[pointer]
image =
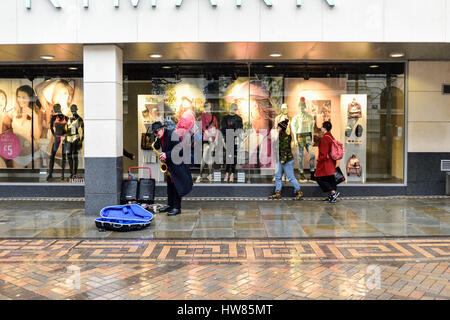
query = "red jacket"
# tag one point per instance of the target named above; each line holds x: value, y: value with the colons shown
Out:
x: 325, y: 165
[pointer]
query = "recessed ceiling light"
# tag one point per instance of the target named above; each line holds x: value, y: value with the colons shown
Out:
x: 73, y: 68
x: 47, y: 57
x: 166, y: 67
x: 373, y: 66
x: 397, y: 55
x: 269, y: 66
x: 155, y: 55
x: 276, y: 55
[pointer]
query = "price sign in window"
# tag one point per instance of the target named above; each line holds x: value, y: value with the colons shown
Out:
x: 9, y: 145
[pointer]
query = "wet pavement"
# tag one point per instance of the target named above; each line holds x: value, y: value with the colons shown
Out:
x: 309, y: 218
x: 359, y: 248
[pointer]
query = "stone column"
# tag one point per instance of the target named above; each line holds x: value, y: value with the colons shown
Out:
x: 103, y: 123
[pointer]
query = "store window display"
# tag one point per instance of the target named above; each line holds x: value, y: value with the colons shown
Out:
x: 232, y: 122
x: 303, y: 129
x: 255, y: 107
x: 264, y: 98
x: 210, y: 127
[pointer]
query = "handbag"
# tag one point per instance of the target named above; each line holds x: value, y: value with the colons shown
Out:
x: 338, y: 175
x: 146, y: 140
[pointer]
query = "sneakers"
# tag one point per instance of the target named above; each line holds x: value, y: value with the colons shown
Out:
x: 298, y: 195
x: 231, y: 177
x: 332, y: 198
x: 335, y: 196
x: 276, y: 195
x: 226, y: 177
x: 199, y: 179
x: 210, y: 177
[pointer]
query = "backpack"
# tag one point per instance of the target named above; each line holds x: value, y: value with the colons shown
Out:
x: 337, y: 150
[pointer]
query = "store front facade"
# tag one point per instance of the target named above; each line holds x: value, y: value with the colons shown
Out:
x: 226, y: 72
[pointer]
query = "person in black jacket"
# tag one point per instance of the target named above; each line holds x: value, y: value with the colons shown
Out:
x: 179, y: 183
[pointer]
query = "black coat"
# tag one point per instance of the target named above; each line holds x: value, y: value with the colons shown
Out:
x: 181, y: 174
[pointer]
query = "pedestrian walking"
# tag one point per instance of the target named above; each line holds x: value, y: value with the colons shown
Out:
x: 326, y: 166
x: 179, y: 182
x: 285, y: 163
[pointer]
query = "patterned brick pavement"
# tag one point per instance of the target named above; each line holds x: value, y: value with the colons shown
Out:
x: 413, y: 268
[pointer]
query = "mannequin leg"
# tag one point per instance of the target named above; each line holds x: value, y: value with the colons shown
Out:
x: 63, y: 165
x: 56, y: 143
x: 70, y: 159
x: 301, y: 146
x: 75, y: 160
x: 312, y: 157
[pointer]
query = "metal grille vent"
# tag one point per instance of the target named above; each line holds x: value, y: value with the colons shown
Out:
x: 445, y: 165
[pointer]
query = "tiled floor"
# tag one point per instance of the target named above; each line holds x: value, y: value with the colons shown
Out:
x: 225, y: 269
x: 310, y: 218
x: 361, y: 248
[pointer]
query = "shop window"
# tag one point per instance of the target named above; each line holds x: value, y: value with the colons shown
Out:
x: 41, y: 136
x: 230, y: 113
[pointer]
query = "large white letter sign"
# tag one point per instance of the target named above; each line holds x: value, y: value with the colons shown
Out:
x: 180, y: 2
x: 330, y: 3
x: 55, y: 3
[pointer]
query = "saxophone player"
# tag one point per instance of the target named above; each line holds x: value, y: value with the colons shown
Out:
x: 179, y: 183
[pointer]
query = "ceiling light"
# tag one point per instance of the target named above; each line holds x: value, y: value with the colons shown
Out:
x: 47, y: 57
x: 397, y: 55
x: 166, y: 67
x: 73, y: 68
x: 373, y: 66
x: 276, y: 55
x: 155, y: 55
x: 269, y: 66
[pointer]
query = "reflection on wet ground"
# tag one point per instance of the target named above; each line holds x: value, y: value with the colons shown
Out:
x: 364, y: 217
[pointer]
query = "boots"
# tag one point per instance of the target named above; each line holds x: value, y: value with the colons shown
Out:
x: 231, y: 177
x: 226, y: 177
x: 298, y: 195
x: 276, y: 195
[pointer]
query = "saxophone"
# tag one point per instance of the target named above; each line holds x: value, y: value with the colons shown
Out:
x: 163, y: 167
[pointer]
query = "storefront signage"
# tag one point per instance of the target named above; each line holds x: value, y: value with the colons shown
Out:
x: 178, y: 3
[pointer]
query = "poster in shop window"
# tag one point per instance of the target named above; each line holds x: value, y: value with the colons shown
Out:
x: 354, y: 136
x: 26, y: 109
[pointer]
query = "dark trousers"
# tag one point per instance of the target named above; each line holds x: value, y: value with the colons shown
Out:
x: 173, y: 199
x: 327, y: 183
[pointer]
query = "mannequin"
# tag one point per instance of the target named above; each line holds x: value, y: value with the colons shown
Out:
x: 303, y: 128
x: 231, y: 121
x: 209, y: 132
x: 283, y: 116
x: 58, y: 127
x: 74, y: 140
